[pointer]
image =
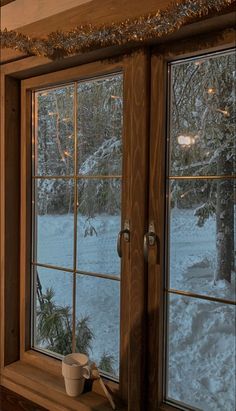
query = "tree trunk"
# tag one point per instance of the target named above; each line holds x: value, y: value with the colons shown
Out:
x: 224, y: 220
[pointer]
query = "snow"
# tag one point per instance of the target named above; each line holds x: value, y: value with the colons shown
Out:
x: 201, y: 334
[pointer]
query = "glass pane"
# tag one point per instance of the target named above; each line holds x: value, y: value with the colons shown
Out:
x: 202, y: 116
x: 53, y: 310
x: 54, y: 131
x: 98, y: 225
x: 98, y: 316
x: 54, y: 222
x: 100, y: 115
x: 201, y: 354
x: 201, y: 234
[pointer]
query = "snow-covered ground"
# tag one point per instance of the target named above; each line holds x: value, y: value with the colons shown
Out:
x: 201, y: 334
x: 97, y: 298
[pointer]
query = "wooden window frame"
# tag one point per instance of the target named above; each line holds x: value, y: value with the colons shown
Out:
x: 30, y: 373
x: 161, y: 57
x: 28, y: 363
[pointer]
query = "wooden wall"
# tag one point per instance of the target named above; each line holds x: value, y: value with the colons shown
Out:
x: 78, y: 12
x: 22, y: 12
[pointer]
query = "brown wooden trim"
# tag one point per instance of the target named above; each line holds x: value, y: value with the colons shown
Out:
x: 156, y: 214
x: 12, y: 200
x: 25, y: 222
x: 2, y: 221
x: 5, y: 2
x: 9, y: 221
x: 202, y: 43
x: 35, y: 66
x: 82, y: 72
x: 138, y: 83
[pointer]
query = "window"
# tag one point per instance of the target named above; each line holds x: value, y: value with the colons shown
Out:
x: 200, y: 287
x: 78, y: 294
x: 77, y: 216
x: 106, y: 156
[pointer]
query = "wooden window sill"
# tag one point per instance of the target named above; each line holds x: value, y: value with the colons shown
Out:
x: 47, y: 389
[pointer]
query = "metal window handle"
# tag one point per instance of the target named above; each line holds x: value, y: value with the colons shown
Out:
x: 123, y: 233
x: 150, y: 239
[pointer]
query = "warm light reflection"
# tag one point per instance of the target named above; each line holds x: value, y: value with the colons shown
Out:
x: 198, y: 63
x: 224, y: 112
x: 185, y: 140
x: 67, y: 154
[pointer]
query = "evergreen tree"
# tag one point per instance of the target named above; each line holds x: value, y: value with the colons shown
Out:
x: 203, y: 115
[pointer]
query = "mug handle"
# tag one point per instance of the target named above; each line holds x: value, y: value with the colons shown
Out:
x: 86, y: 372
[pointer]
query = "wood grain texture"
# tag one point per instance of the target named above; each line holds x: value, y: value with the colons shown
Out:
x: 8, y: 55
x: 139, y: 95
x: 157, y: 215
x: 48, y: 390
x: 91, y: 12
x: 12, y: 202
x: 10, y: 401
x: 12, y: 16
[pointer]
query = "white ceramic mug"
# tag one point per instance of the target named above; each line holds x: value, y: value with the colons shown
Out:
x: 75, y: 369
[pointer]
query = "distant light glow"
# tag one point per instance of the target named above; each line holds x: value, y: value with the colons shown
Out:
x: 67, y: 154
x: 211, y: 90
x: 224, y: 112
x: 185, y: 140
x: 116, y: 97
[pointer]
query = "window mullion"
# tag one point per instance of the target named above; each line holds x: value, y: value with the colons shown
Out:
x: 75, y: 221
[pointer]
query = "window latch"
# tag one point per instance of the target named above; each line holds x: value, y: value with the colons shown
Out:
x: 150, y: 240
x: 125, y: 233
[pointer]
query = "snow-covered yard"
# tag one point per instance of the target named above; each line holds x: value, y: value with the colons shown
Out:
x: 201, y: 353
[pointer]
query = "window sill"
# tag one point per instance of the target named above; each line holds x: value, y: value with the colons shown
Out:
x: 47, y: 389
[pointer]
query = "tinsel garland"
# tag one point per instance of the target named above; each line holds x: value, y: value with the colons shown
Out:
x: 86, y: 38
